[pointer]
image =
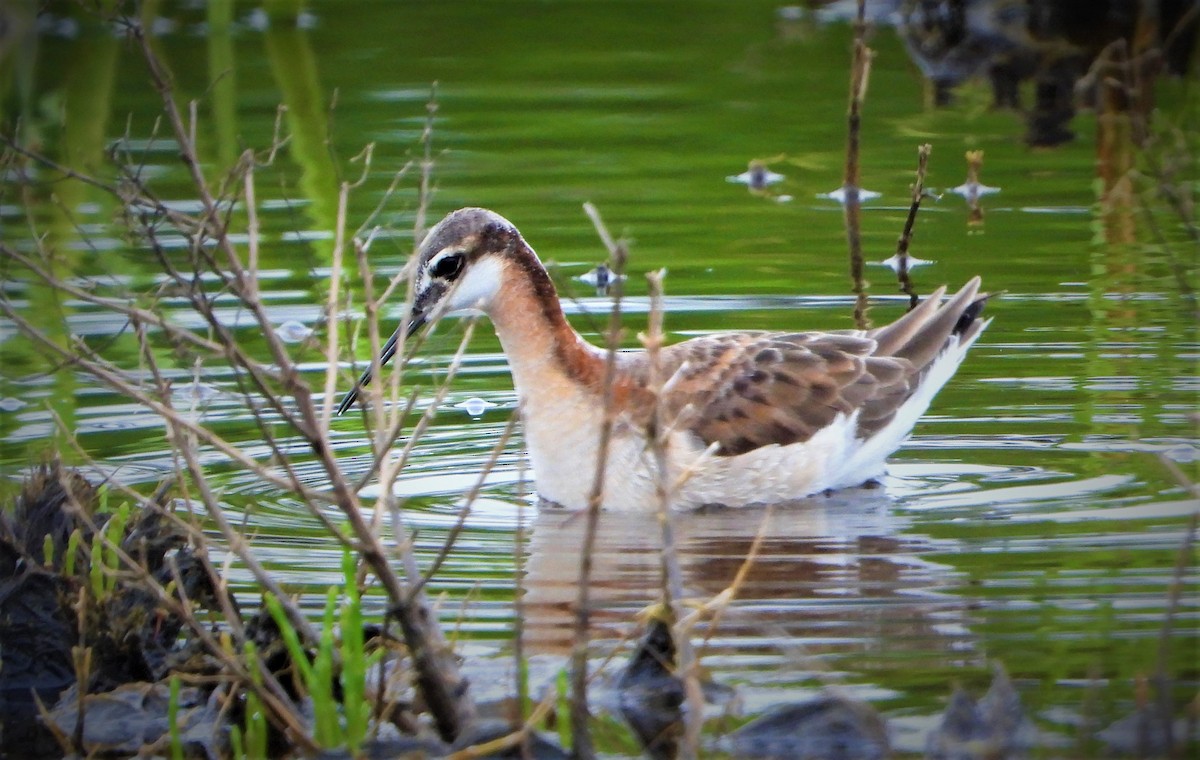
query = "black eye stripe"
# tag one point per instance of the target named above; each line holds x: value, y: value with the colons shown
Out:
x: 448, y: 267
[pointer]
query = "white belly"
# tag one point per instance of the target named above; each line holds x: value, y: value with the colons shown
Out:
x: 562, y: 431
x: 564, y: 446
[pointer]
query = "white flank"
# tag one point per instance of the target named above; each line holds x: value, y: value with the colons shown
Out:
x: 869, y: 460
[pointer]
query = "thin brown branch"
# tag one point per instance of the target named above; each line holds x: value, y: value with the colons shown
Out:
x: 974, y: 168
x: 581, y: 734
x: 1183, y: 561
x: 426, y: 189
x: 918, y: 195
x: 442, y: 687
x: 271, y: 692
x: 860, y: 68
x: 465, y: 511
x: 671, y: 572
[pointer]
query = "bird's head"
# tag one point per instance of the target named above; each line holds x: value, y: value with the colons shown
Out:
x: 459, y: 265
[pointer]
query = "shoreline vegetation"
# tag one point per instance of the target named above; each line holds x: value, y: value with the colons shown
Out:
x: 118, y: 619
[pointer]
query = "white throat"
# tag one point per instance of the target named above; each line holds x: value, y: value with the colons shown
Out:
x: 478, y: 286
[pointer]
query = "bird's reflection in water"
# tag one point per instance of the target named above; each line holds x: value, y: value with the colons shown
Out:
x: 832, y: 575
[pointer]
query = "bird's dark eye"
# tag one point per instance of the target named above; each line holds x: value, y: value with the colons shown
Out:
x: 447, y: 267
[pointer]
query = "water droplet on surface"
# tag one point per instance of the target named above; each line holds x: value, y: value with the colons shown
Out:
x: 10, y: 404
x: 913, y: 262
x: 292, y: 331
x: 601, y: 278
x: 756, y: 177
x: 475, y: 406
x: 839, y: 195
x: 973, y: 190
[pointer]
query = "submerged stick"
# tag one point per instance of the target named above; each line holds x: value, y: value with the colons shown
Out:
x: 860, y: 69
x: 918, y: 194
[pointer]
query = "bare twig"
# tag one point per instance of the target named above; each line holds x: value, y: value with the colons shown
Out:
x: 468, y: 501
x: 860, y: 69
x: 580, y: 731
x: 1161, y: 679
x: 918, y: 194
x: 426, y: 188
x: 974, y: 167
x: 672, y: 575
x: 441, y: 685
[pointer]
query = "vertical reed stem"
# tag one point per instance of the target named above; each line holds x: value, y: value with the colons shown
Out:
x: 581, y: 735
x: 918, y: 194
x: 672, y: 575
x: 859, y: 70
x: 974, y: 165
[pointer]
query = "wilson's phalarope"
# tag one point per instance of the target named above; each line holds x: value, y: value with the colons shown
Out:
x: 759, y: 417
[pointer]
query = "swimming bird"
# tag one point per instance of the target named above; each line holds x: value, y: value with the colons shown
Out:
x: 749, y: 417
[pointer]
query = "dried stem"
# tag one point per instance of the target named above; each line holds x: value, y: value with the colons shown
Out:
x: 974, y: 167
x: 471, y: 496
x: 918, y: 194
x: 860, y: 68
x: 268, y: 689
x: 1161, y: 680
x: 279, y: 385
x: 426, y: 188
x: 441, y: 684
x: 672, y: 575
x: 582, y: 746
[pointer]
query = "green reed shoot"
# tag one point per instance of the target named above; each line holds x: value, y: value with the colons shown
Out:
x: 173, y: 721
x: 334, y: 725
x: 115, y: 531
x: 48, y: 551
x: 96, y: 568
x: 355, y: 661
x: 72, y: 552
x: 237, y: 749
x: 256, y: 719
x: 563, y: 688
x: 327, y: 727
x: 290, y: 639
x: 104, y: 552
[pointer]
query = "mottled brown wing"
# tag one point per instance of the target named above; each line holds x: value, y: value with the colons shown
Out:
x: 747, y: 390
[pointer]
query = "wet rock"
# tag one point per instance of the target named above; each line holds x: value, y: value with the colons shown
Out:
x: 132, y: 637
x: 392, y: 745
x: 602, y: 278
x: 46, y: 611
x: 535, y: 746
x: 35, y: 640
x: 995, y: 727
x: 756, y: 177
x: 37, y: 628
x: 830, y: 727
x: 1150, y: 730
x: 134, y: 719
x: 1140, y: 734
x: 649, y: 694
x: 1002, y: 710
